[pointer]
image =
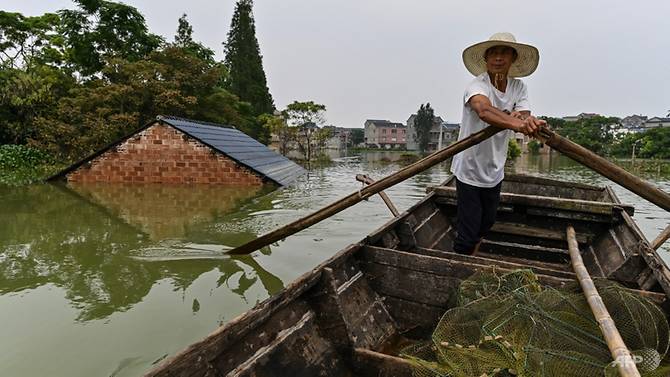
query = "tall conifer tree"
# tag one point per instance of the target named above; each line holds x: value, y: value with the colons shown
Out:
x: 244, y: 61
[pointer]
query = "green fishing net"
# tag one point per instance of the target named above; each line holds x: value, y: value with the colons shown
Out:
x: 510, y: 325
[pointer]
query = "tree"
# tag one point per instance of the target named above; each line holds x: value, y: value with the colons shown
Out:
x: 554, y: 123
x: 422, y: 124
x: 184, y: 40
x: 130, y: 94
x: 357, y: 136
x: 29, y: 41
x: 653, y: 143
x: 102, y: 29
x: 244, y: 61
x: 306, y: 117
x: 513, y: 149
x: 593, y: 133
x: 281, y: 132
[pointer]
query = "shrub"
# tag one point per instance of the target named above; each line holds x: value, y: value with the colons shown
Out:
x: 513, y: 150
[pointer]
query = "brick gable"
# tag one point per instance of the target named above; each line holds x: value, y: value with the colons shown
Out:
x: 162, y: 154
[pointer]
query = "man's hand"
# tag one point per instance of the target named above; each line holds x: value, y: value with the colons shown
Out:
x: 531, y: 125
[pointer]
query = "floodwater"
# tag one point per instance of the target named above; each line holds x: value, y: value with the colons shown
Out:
x: 106, y: 280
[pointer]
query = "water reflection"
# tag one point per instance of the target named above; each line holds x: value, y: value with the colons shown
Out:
x: 125, y: 276
x: 107, y: 245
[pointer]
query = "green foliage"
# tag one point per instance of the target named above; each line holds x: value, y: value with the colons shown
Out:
x: 20, y: 156
x: 130, y: 94
x: 282, y: 133
x: 306, y: 117
x: 26, y: 94
x: 184, y: 40
x: 554, y: 123
x: 513, y: 150
x: 102, y: 29
x: 244, y: 61
x: 534, y: 146
x: 357, y: 136
x: 28, y: 41
x: 301, y: 113
x: 653, y: 143
x: 594, y: 133
x: 423, y: 123
x: 21, y: 165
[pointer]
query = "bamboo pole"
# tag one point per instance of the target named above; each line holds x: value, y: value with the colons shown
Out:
x: 353, y: 198
x: 655, y: 244
x: 615, y: 343
x: 606, y: 168
x: 367, y: 180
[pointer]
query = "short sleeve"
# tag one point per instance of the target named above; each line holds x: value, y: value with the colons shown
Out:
x: 474, y: 88
x: 522, y: 103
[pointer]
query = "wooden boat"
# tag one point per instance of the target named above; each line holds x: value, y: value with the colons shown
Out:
x: 343, y: 317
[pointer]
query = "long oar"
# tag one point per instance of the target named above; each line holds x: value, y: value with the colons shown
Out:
x: 606, y: 168
x: 351, y: 199
x: 368, y: 181
x: 655, y: 244
x: 615, y: 343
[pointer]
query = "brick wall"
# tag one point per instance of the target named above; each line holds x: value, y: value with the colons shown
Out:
x: 161, y: 154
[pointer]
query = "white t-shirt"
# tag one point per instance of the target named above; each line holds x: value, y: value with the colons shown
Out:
x: 483, y: 165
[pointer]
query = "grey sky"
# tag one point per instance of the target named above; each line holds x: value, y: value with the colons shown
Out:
x: 382, y: 58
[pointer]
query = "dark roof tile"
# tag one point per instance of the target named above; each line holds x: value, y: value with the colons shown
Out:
x: 240, y: 147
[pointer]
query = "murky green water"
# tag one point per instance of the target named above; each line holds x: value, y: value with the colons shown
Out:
x: 104, y: 280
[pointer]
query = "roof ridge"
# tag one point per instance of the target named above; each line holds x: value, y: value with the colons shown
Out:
x: 168, y: 117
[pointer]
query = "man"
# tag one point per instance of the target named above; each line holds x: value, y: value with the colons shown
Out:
x: 495, y: 97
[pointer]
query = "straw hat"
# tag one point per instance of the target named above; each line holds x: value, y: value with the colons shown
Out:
x: 525, y: 64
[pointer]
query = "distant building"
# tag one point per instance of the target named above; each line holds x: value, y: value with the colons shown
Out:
x: 449, y: 132
x: 656, y: 122
x: 339, y: 137
x: 385, y: 134
x: 574, y: 118
x: 633, y: 121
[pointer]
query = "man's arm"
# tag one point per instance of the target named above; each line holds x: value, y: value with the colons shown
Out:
x: 491, y: 115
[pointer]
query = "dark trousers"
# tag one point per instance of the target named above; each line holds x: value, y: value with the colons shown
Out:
x: 476, y: 213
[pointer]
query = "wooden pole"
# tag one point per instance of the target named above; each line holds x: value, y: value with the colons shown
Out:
x: 615, y: 343
x: 655, y: 244
x: 367, y: 180
x: 353, y: 198
x: 606, y: 168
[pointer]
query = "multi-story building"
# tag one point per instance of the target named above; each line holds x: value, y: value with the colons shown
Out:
x: 441, y: 134
x: 385, y: 134
x: 657, y: 122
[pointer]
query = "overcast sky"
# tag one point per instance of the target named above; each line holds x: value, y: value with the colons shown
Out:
x: 381, y: 59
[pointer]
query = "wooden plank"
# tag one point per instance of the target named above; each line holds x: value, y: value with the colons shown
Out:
x: 371, y: 363
x: 533, y: 180
x: 576, y: 205
x: 549, y: 269
x: 427, y: 279
x: 363, y: 313
x: 413, y: 317
x: 418, y: 286
x: 571, y: 215
x: 534, y: 232
x: 430, y: 228
x: 525, y: 251
x: 198, y: 356
x: 298, y: 351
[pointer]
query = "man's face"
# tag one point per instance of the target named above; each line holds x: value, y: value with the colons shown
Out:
x: 499, y: 59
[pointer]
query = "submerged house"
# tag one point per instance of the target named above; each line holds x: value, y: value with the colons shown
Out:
x: 177, y: 150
